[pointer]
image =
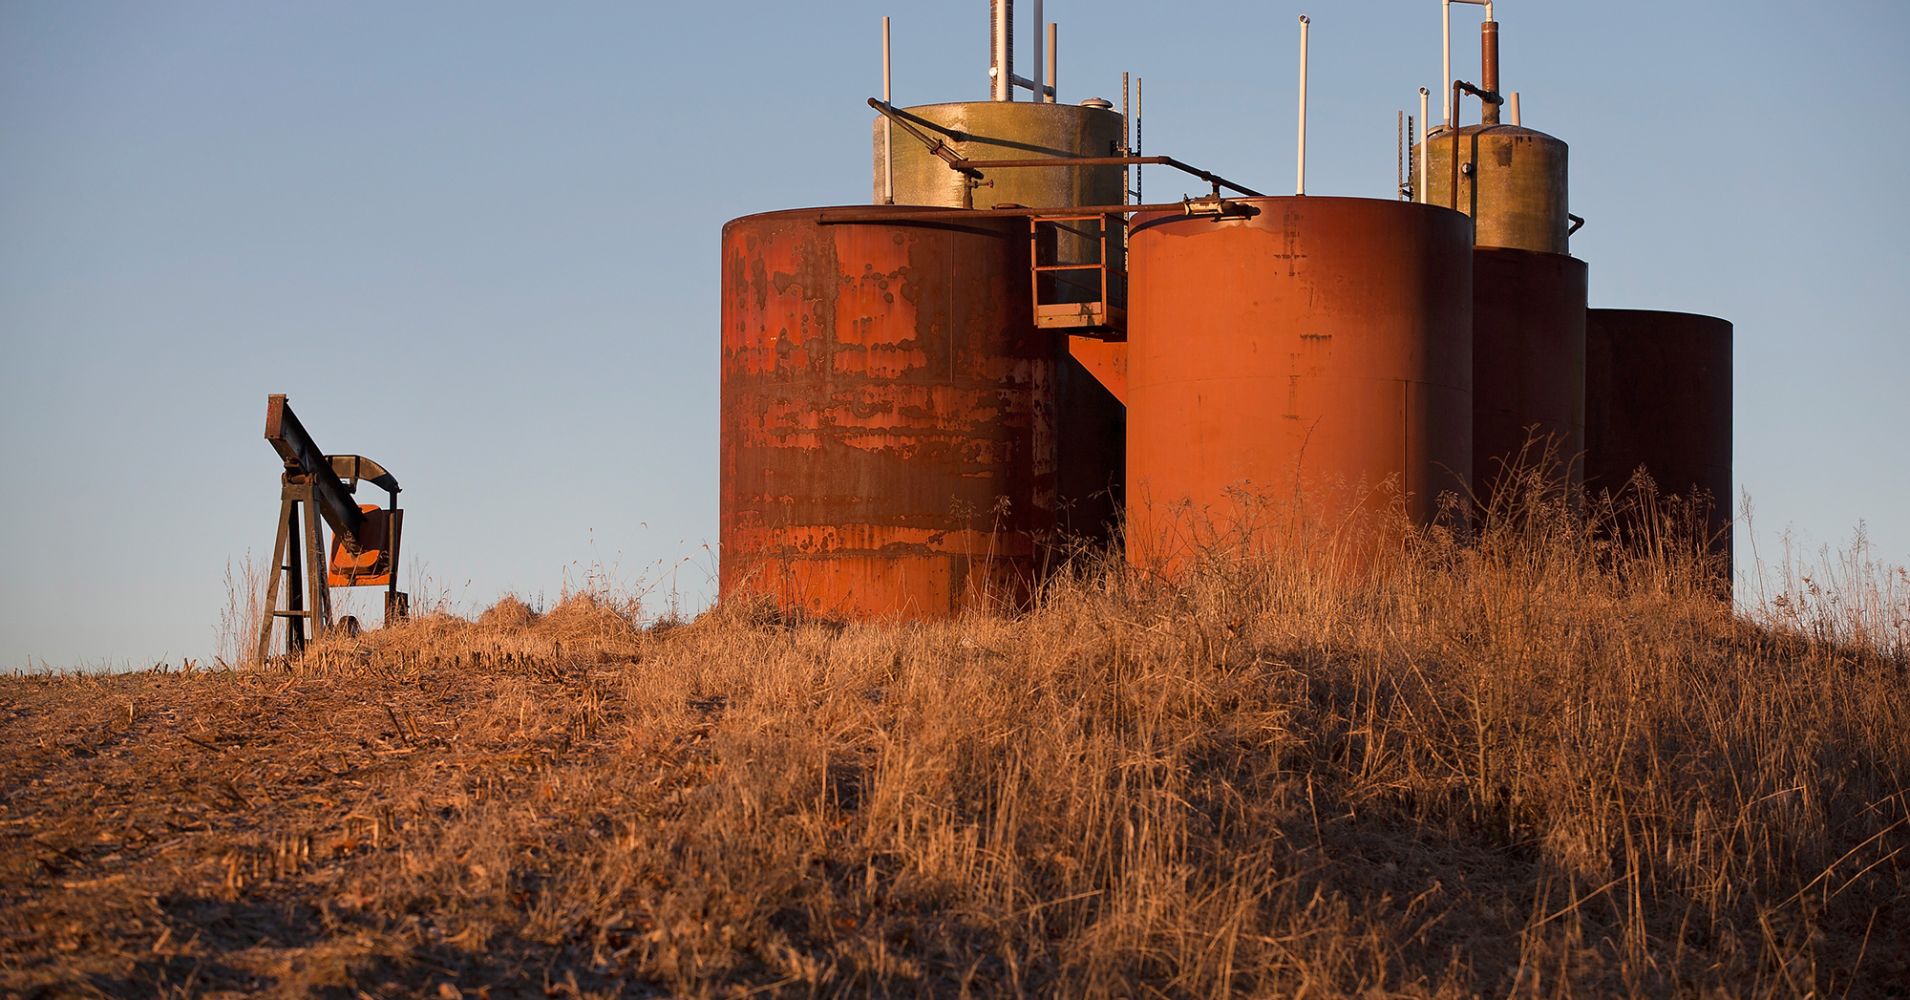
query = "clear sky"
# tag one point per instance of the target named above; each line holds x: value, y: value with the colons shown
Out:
x: 478, y: 242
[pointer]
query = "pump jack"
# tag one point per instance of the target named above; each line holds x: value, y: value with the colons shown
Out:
x: 364, y: 551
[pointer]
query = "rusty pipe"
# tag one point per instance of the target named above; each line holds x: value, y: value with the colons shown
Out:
x: 1489, y: 99
x: 1112, y: 161
x: 972, y: 168
x: 1489, y: 67
x: 936, y: 147
x: 1186, y: 207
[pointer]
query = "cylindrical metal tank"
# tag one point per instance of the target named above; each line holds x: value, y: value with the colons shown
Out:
x: 1511, y: 180
x: 1091, y: 420
x: 1316, y: 358
x: 887, y: 415
x: 1528, y: 366
x: 1004, y: 130
x: 1658, y: 396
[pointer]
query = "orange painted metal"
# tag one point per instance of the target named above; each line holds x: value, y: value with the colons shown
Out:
x: 1106, y: 360
x: 377, y: 557
x: 1314, y: 359
x: 888, y: 415
x: 1658, y: 397
x: 1528, y: 365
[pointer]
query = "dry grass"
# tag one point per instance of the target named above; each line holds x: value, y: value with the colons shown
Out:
x: 1535, y: 765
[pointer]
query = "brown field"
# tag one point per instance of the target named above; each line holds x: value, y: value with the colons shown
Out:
x: 1534, y: 767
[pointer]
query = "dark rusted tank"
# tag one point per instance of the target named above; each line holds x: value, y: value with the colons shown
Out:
x: 887, y: 415
x: 1314, y: 359
x: 1658, y: 397
x: 1528, y: 367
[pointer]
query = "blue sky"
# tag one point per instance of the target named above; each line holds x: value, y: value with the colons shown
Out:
x: 478, y: 242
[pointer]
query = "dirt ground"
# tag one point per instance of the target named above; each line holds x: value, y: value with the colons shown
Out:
x: 1462, y: 784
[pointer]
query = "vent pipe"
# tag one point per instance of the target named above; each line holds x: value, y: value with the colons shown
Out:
x: 1489, y: 66
x: 1001, y: 66
x: 1054, y: 46
x: 1445, y: 82
x: 1299, y: 183
x: 1425, y: 125
x: 888, y: 126
x: 1034, y: 68
x: 1515, y: 108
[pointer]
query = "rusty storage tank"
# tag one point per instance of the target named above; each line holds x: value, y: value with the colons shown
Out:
x: 1658, y: 396
x: 1528, y: 366
x: 1318, y: 351
x: 887, y: 417
x: 1511, y: 180
x: 1091, y: 419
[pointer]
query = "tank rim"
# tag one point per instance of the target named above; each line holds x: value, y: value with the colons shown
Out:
x: 1480, y: 128
x: 956, y: 217
x: 1676, y: 313
x: 1528, y: 252
x: 1043, y: 106
x: 1147, y: 220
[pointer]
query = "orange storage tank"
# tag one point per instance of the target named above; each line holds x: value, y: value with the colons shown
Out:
x: 1313, y: 358
x: 887, y: 419
x: 1528, y: 365
x: 1658, y: 396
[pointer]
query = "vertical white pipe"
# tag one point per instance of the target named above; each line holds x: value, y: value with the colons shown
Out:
x: 1034, y: 68
x: 1054, y: 47
x: 888, y: 126
x: 1515, y: 107
x: 1299, y: 184
x: 1445, y: 75
x: 1424, y: 130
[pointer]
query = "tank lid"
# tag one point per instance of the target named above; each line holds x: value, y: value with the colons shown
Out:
x: 1097, y: 102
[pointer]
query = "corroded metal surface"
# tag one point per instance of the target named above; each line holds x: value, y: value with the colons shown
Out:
x: 1091, y: 422
x: 1511, y: 180
x: 375, y: 564
x: 1315, y: 358
x: 887, y: 415
x: 1658, y: 396
x: 1528, y: 365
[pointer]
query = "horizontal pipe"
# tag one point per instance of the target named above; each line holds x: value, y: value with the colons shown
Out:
x: 1030, y: 85
x: 1191, y: 207
x: 964, y: 165
x: 935, y: 146
x: 1114, y: 161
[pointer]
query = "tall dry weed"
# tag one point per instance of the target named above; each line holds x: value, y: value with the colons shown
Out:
x: 1531, y: 752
